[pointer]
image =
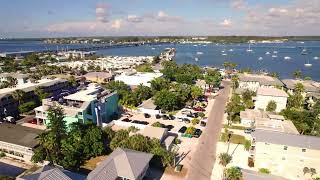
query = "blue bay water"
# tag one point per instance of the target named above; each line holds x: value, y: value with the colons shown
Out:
x: 211, y: 54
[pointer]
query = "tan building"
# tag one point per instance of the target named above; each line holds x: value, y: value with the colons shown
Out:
x: 285, y: 154
x: 254, y: 81
x: 265, y: 95
x: 99, y: 77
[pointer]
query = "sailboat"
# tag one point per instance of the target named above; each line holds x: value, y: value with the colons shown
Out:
x: 275, y: 52
x: 287, y: 58
x: 260, y: 58
x: 267, y: 53
x: 308, y: 64
x: 316, y: 58
x: 249, y: 49
x: 230, y: 50
x: 199, y: 53
x: 196, y: 59
x: 304, y: 51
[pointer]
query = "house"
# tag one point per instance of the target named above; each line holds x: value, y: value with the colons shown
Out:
x: 122, y: 164
x: 94, y: 104
x: 21, y: 78
x: 18, y: 141
x: 134, y: 79
x: 51, y: 172
x: 285, y: 153
x: 9, y: 106
x: 76, y: 54
x: 99, y: 77
x: 149, y: 107
x: 17, y: 55
x: 154, y: 132
x: 254, y: 81
x: 265, y: 95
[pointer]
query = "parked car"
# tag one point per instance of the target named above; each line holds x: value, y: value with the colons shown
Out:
x: 9, y: 119
x: 180, y: 119
x: 203, y: 124
x: 198, y: 109
x: 165, y: 117
x: 171, y: 117
x: 197, y: 133
x: 126, y: 120
x: 158, y: 116
x: 192, y: 115
x: 185, y: 112
x: 186, y: 120
x: 146, y: 115
x: 248, y: 131
x: 32, y: 121
x: 182, y: 129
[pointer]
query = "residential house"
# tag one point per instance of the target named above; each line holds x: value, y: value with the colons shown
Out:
x: 122, y: 164
x: 51, y: 172
x: 93, y: 104
x: 18, y: 141
x: 21, y: 78
x: 149, y: 107
x: 254, y: 81
x: 265, y: 95
x: 285, y: 154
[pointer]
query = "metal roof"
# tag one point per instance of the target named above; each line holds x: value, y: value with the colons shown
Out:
x: 124, y: 163
x: 264, y: 91
x: 295, y: 140
x: 262, y: 79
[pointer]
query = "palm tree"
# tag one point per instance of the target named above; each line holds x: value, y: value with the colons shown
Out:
x: 235, y: 82
x: 12, y: 82
x: 40, y: 93
x: 18, y: 95
x: 233, y: 173
x: 299, y: 88
x: 225, y: 159
x: 297, y: 74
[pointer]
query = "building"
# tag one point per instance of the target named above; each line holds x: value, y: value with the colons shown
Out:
x: 285, y: 154
x: 93, y: 104
x: 9, y: 106
x: 265, y: 95
x: 21, y: 78
x: 267, y: 121
x: 17, y: 55
x: 134, y: 79
x: 122, y: 164
x: 149, y: 107
x: 154, y: 132
x: 51, y: 172
x: 99, y: 77
x: 18, y: 141
x: 254, y: 81
x: 76, y: 54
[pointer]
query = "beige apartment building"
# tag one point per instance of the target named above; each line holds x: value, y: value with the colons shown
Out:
x: 285, y: 154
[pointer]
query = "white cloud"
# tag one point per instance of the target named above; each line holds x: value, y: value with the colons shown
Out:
x: 134, y: 18
x: 101, y: 13
x: 116, y: 24
x: 226, y: 23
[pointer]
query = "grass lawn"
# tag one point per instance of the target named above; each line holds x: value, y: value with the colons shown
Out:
x: 235, y: 138
x: 93, y: 162
x: 234, y: 127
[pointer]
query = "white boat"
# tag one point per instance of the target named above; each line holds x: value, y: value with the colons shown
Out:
x: 267, y: 53
x: 275, y: 52
x: 196, y: 59
x: 304, y: 51
x: 224, y: 54
x: 153, y: 48
x: 274, y: 56
x: 287, y: 58
x: 195, y: 45
x: 199, y: 53
x: 223, y: 51
x: 260, y: 58
x: 308, y: 64
x: 249, y: 50
x: 316, y: 58
x: 230, y: 50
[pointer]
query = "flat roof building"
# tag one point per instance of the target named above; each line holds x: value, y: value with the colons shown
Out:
x: 135, y: 79
x: 265, y: 95
x: 99, y: 77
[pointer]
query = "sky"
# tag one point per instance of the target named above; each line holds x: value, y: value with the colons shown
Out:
x: 64, y: 18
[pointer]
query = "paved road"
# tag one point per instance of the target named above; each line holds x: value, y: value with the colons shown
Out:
x: 203, y: 158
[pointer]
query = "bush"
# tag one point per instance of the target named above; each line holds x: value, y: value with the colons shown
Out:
x: 26, y: 107
x: 201, y: 114
x: 2, y: 154
x: 224, y: 159
x: 190, y: 130
x: 264, y: 170
x: 247, y: 145
x: 177, y: 141
x: 235, y: 138
x: 272, y: 106
x: 133, y: 129
x: 195, y: 121
x: 157, y: 124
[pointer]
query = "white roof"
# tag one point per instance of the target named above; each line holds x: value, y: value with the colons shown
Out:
x: 85, y: 95
x: 138, y: 78
x: 264, y: 91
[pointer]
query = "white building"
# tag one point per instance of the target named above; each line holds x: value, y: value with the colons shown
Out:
x: 76, y: 54
x: 254, y: 81
x: 265, y: 95
x: 134, y: 79
x: 21, y: 78
x: 149, y: 107
x: 18, y: 141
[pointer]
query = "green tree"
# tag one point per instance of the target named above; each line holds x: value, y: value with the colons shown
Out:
x: 195, y: 121
x: 247, y: 95
x: 196, y: 92
x: 18, y: 95
x: 233, y: 109
x: 157, y: 124
x: 40, y: 93
x: 191, y: 130
x: 264, y: 171
x: 184, y: 78
x: 224, y: 159
x: 233, y: 173
x: 92, y: 142
x: 234, y: 82
x: 12, y: 82
x: 144, y: 68
x: 72, y: 81
x: 272, y: 106
x: 143, y: 92
x: 26, y: 107
x: 167, y: 100
x: 120, y: 136
x: 158, y: 84
x: 247, y: 145
x: 297, y: 74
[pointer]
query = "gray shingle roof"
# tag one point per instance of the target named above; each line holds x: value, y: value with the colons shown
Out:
x: 295, y: 140
x: 262, y: 79
x: 52, y: 173
x: 20, y: 135
x: 309, y: 86
x: 121, y: 163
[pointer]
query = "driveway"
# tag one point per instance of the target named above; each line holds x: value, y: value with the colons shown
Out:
x: 203, y: 158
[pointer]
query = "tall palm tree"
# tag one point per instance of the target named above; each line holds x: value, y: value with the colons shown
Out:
x: 297, y: 74
x: 19, y: 95
x: 233, y: 173
x: 299, y: 88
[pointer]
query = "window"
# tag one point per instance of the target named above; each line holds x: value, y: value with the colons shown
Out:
x: 304, y: 150
x: 285, y: 148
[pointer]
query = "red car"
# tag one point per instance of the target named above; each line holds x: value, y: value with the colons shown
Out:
x: 198, y: 109
x: 33, y: 121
